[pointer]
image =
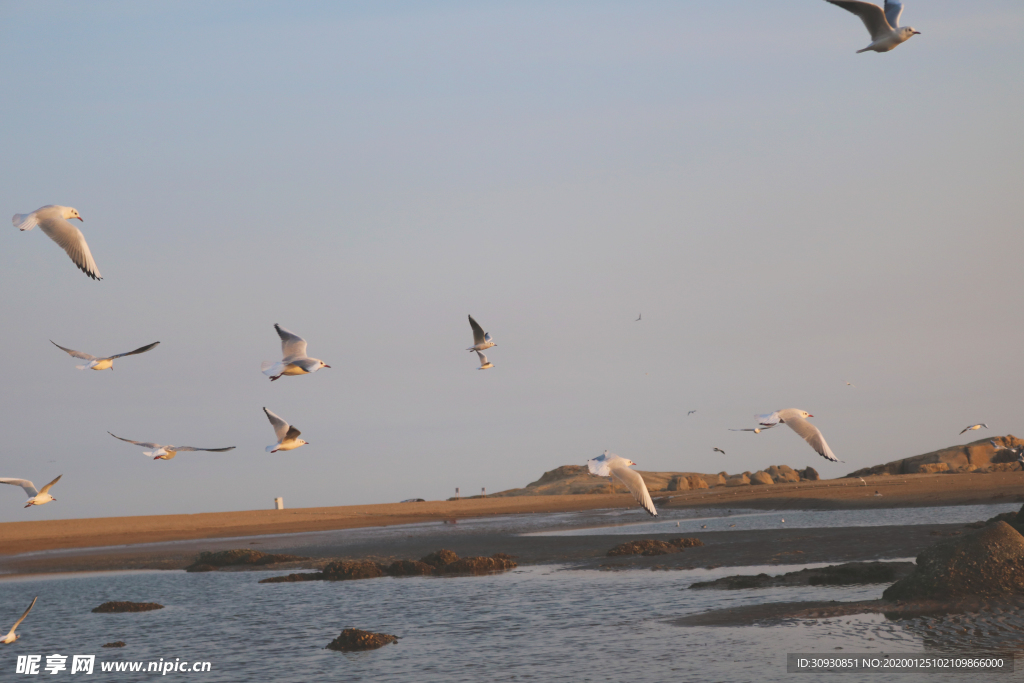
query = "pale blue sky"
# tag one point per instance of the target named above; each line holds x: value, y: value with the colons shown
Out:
x: 787, y: 215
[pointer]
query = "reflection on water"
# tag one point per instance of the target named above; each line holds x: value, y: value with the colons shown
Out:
x: 534, y: 624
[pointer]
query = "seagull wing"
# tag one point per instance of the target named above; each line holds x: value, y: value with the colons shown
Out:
x: 871, y: 14
x: 964, y: 430
x: 146, y: 444
x: 811, y: 435
x: 483, y: 359
x: 212, y: 450
x: 71, y: 352
x: 293, y: 433
x: 635, y: 483
x: 141, y: 349
x: 893, y: 10
x: 292, y: 345
x: 18, y: 622
x: 29, y: 487
x: 599, y: 465
x: 72, y: 241
x: 478, y: 332
x: 47, y: 487
x: 280, y: 426
x: 768, y: 420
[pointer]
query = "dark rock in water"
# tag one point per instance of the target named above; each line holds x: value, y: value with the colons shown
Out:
x: 650, y: 547
x: 119, y: 643
x: 809, y: 474
x: 409, y: 568
x: 476, y: 565
x: 849, y: 574
x: 353, y: 639
x: 986, y: 562
x: 108, y: 607
x: 504, y: 556
x: 207, y: 561
x: 295, y: 578
x: 349, y: 570
x: 442, y: 557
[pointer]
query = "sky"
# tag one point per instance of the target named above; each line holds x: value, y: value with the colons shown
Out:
x: 787, y: 216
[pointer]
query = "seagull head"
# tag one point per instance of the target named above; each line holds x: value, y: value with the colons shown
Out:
x: 69, y: 213
x: 907, y: 32
x: 629, y: 463
x: 303, y: 442
x: 324, y: 365
x: 804, y: 413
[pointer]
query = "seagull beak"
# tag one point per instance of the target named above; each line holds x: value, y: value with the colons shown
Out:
x: 809, y: 415
x: 80, y: 218
x: 917, y: 33
x: 326, y: 365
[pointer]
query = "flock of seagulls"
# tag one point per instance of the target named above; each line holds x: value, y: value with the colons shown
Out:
x: 481, y: 341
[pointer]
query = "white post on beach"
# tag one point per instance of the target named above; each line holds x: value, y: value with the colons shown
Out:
x: 279, y: 503
x: 456, y: 491
x: 483, y: 491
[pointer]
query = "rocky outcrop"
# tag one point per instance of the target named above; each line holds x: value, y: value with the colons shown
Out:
x: 760, y: 478
x: 351, y: 570
x: 650, y: 547
x: 738, y: 480
x: 809, y: 474
x: 353, y: 640
x: 295, y: 578
x: 679, y: 483
x: 476, y: 565
x: 851, y: 573
x: 409, y: 568
x: 112, y: 607
x: 208, y: 562
x: 986, y: 562
x: 783, y: 474
x: 440, y: 563
x: 978, y: 455
x: 440, y: 558
x: 119, y: 643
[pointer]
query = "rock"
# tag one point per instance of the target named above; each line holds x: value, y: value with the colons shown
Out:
x: 111, y: 607
x: 118, y: 643
x: 353, y: 639
x: 973, y: 457
x: 760, y: 478
x: 697, y: 482
x: 679, y: 483
x: 809, y: 474
x: 409, y: 568
x: 933, y: 468
x: 476, y: 565
x: 851, y: 573
x: 738, y: 480
x: 503, y: 556
x: 782, y: 474
x: 351, y: 570
x: 649, y: 546
x: 987, y: 562
x: 207, y: 561
x: 295, y: 578
x: 440, y: 558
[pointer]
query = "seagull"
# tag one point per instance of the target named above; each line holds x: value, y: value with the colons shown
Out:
x: 287, y: 435
x: 481, y: 340
x: 756, y: 430
x: 11, y: 636
x: 53, y: 220
x: 796, y: 419
x: 719, y: 450
x: 690, y: 412
x: 611, y: 465
x: 974, y: 427
x: 638, y: 318
x: 862, y: 481
x: 484, y: 363
x: 851, y: 384
x: 295, y: 361
x: 34, y: 497
x: 161, y: 452
x: 101, y: 363
x: 883, y: 25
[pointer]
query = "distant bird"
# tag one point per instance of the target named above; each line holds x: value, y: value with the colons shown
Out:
x: 484, y: 363
x: 756, y: 430
x: 862, y: 481
x: 718, y: 450
x: 878, y: 494
x: 161, y: 452
x: 481, y: 340
x: 796, y: 419
x: 101, y: 363
x: 11, y: 636
x: 974, y: 427
x: 287, y: 436
x: 783, y: 520
x: 53, y: 220
x: 703, y: 526
x: 611, y: 465
x: 731, y: 525
x: 851, y: 384
x: 40, y: 497
x: 883, y: 25
x: 295, y: 361
x: 638, y: 318
x: 690, y: 412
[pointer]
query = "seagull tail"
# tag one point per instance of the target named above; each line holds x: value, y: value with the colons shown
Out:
x: 269, y: 367
x: 25, y: 221
x: 80, y: 367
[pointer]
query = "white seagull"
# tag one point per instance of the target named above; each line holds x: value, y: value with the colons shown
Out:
x: 796, y: 419
x: 295, y: 361
x: 53, y: 221
x: 484, y: 363
x: 35, y: 497
x: 883, y: 25
x: 11, y: 635
x: 719, y: 450
x: 287, y: 435
x: 974, y: 427
x: 611, y: 465
x: 161, y: 452
x: 101, y: 363
x: 481, y: 340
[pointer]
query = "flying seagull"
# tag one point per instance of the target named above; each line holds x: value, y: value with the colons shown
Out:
x: 11, y: 636
x: 638, y: 318
x: 53, y: 220
x: 161, y: 452
x: 974, y: 427
x: 481, y: 340
x: 690, y: 412
x: 484, y: 363
x: 756, y: 430
x: 295, y: 361
x: 101, y: 363
x: 611, y: 465
x: 35, y: 497
x: 796, y: 419
x: 718, y: 450
x: 883, y: 25
x: 287, y: 435
x: 851, y: 384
